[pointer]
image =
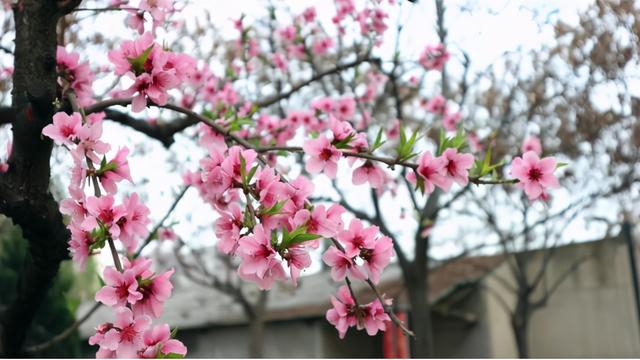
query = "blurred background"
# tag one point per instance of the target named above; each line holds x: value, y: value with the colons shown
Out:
x: 497, y: 277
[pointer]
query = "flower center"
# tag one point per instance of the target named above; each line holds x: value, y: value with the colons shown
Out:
x: 535, y: 174
x: 325, y: 154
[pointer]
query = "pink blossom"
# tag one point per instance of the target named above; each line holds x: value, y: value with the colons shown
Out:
x: 232, y: 164
x: 155, y: 289
x: 214, y: 177
x: 130, y: 49
x: 343, y: 313
x: 165, y: 233
x: 120, y: 288
x: 345, y: 108
x: 279, y: 61
x: 535, y: 174
x: 342, y: 265
x: 393, y: 131
x: 376, y: 258
x: 322, y: 104
x: 357, y: 237
x: 474, y: 142
x: 368, y: 172
x: 77, y: 75
x: 125, y: 338
x: 434, y: 57
x: 158, y: 9
x: 451, y: 120
x: 456, y: 168
x: 158, y: 342
x: 134, y: 223
x: 80, y: 246
x: 65, y: 128
x: 431, y: 170
x: 341, y: 129
x: 322, y: 46
x: 102, y: 211
x: 228, y: 227
x: 532, y: 144
x: 322, y: 156
x: 375, y: 318
x: 437, y: 105
x: 259, y: 261
x: 288, y: 33
x: 115, y: 171
x: 323, y: 221
x: 89, y: 136
x: 309, y: 14
x: 297, y: 258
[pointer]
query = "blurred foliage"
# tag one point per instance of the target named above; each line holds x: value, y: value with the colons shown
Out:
x: 58, y: 310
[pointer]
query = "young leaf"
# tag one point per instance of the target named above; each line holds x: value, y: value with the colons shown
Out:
x: 378, y: 141
x: 137, y: 63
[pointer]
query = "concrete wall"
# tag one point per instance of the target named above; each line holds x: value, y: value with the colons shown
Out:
x: 304, y: 338
x: 496, y: 297
x: 456, y: 337
x: 592, y: 314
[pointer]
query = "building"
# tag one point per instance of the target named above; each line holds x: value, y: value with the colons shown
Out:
x: 592, y: 313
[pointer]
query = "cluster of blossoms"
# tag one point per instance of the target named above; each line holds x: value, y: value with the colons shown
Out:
x: 434, y: 57
x: 271, y: 226
x: 437, y: 105
x: 158, y: 10
x: 347, y: 313
x: 134, y: 291
x: 442, y: 171
x: 75, y: 75
x: 266, y: 221
x: 153, y: 70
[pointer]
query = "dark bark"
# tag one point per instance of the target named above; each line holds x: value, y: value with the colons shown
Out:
x: 24, y: 195
x: 256, y: 326
x: 256, y: 337
x: 420, y: 316
x: 520, y: 318
x: 519, y: 324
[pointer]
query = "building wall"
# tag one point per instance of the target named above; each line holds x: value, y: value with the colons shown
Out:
x: 591, y: 314
x: 303, y: 338
x: 455, y: 337
x: 496, y: 296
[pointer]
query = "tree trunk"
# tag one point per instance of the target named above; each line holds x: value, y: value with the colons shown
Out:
x: 256, y: 325
x: 520, y: 334
x: 420, y: 316
x: 24, y: 195
x: 520, y: 324
x: 256, y: 337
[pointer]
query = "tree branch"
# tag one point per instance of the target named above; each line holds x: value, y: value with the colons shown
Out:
x: 318, y: 76
x: 162, y: 132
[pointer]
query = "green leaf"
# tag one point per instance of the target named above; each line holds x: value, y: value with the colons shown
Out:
x: 486, y: 163
x: 344, y: 143
x: 137, y: 63
x: 248, y: 221
x: 243, y: 169
x: 378, y: 141
x: 561, y: 164
x: 274, y: 210
x: 252, y: 172
x: 302, y: 238
x: 171, y: 356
